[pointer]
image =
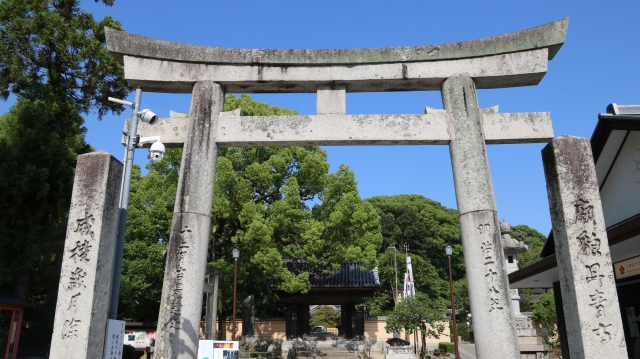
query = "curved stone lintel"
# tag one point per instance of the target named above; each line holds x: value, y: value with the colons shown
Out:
x: 551, y: 36
x: 497, y: 71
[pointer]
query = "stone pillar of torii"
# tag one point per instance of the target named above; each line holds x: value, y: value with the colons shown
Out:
x: 457, y: 70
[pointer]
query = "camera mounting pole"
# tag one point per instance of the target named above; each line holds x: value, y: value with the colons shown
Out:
x: 130, y: 147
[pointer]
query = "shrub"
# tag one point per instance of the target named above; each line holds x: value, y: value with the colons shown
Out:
x: 446, y: 347
x: 465, y: 332
x: 253, y: 353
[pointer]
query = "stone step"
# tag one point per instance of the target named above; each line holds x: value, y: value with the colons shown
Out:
x: 530, y: 340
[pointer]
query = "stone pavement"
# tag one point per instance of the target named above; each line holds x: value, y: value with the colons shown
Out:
x: 467, y: 350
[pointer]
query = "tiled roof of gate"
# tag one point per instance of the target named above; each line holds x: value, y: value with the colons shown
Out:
x: 350, y: 275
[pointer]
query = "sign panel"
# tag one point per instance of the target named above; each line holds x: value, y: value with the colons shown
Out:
x: 205, y: 349
x: 226, y: 350
x: 115, y: 339
x: 627, y: 268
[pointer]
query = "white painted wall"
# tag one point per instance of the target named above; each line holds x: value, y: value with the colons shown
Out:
x: 621, y: 191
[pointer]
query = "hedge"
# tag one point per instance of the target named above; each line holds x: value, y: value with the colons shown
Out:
x: 446, y: 347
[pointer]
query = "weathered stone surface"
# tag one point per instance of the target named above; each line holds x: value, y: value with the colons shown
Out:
x: 496, y: 71
x: 331, y: 99
x: 181, y: 304
x: 248, y: 317
x: 518, y: 127
x: 172, y: 130
x: 551, y: 36
x: 494, y: 327
x: 87, y: 264
x: 329, y: 130
x: 589, y: 297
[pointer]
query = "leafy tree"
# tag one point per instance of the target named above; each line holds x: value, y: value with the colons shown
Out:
x: 544, y: 313
x: 420, y: 314
x: 531, y: 237
x: 55, y: 43
x: 52, y: 57
x: 261, y: 203
x: 463, y: 302
x: 326, y: 316
x: 426, y: 226
x: 535, y: 240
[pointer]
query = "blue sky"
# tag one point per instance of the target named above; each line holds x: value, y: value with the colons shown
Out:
x: 599, y: 64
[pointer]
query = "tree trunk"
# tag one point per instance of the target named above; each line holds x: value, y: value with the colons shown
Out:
x: 21, y: 284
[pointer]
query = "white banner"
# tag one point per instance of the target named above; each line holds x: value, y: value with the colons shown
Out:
x: 409, y: 289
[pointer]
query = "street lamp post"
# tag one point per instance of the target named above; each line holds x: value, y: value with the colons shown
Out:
x: 449, y: 251
x: 236, y: 254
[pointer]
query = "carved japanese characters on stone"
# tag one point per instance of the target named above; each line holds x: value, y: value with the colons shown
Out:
x: 81, y: 251
x: 70, y: 328
x: 596, y: 301
x: 603, y: 332
x: 594, y: 273
x: 175, y: 301
x: 84, y: 225
x: 494, y: 300
x: 491, y: 274
x: 74, y: 301
x: 584, y: 211
x: 76, y: 279
x: 589, y: 244
x: 484, y: 228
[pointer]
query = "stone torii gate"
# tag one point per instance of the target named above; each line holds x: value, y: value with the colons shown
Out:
x: 456, y: 69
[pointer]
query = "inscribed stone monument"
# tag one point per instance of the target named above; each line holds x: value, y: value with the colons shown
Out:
x: 589, y: 297
x: 87, y: 264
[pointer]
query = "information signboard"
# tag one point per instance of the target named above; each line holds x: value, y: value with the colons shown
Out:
x: 114, y: 340
x: 627, y: 268
x: 216, y: 349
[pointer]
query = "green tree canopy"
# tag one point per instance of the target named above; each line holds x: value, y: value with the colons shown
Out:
x: 531, y: 237
x: 426, y: 226
x: 535, y: 240
x: 544, y: 313
x: 53, y: 58
x: 272, y: 202
x: 326, y: 316
x: 421, y: 314
x: 54, y: 42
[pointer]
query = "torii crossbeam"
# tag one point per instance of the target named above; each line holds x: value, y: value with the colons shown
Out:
x: 456, y: 69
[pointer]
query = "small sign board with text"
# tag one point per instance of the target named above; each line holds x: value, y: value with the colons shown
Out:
x: 215, y: 349
x: 114, y: 340
x: 627, y: 268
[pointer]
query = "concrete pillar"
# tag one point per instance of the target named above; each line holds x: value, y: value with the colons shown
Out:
x: 589, y: 297
x: 493, y: 318
x: 87, y: 263
x: 182, y: 290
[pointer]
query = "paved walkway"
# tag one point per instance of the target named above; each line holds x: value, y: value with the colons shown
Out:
x: 467, y: 350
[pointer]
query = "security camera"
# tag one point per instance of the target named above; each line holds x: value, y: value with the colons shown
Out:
x: 157, y: 148
x: 148, y: 116
x: 157, y: 152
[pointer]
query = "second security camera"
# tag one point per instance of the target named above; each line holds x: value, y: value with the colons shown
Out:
x: 148, y: 116
x: 157, y: 151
